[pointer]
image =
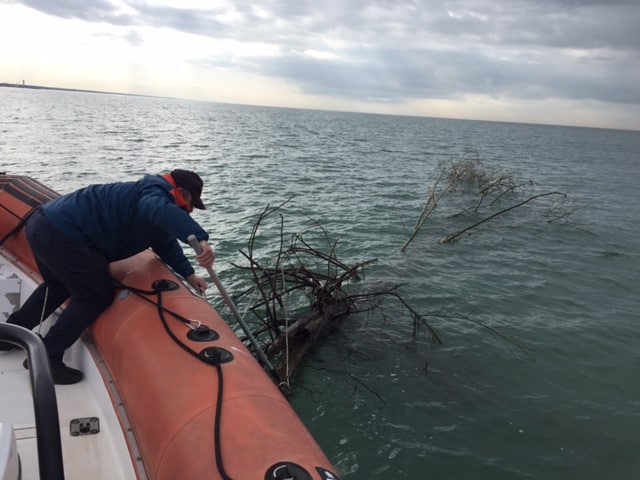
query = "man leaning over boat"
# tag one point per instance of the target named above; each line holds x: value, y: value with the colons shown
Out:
x: 74, y: 238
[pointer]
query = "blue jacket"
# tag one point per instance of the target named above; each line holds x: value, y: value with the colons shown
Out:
x: 122, y: 219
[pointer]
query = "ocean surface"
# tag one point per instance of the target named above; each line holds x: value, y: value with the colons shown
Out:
x: 559, y: 398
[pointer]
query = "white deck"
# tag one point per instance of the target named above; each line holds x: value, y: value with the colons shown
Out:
x: 101, y: 456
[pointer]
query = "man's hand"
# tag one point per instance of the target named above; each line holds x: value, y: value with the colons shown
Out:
x: 197, y: 282
x: 207, y: 256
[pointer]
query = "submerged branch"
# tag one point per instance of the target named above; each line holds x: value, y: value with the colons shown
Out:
x: 501, y: 212
x: 470, y: 176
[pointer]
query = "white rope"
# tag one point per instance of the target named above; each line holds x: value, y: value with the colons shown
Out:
x: 44, y: 307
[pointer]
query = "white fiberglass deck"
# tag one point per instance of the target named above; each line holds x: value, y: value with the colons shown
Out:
x: 99, y: 456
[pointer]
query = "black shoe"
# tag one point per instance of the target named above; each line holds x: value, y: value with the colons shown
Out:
x: 5, y: 346
x: 62, y: 375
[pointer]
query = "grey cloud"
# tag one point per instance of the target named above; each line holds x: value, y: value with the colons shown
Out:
x: 199, y: 22
x: 578, y: 49
x: 91, y: 11
x: 557, y: 23
x: 402, y: 75
x: 134, y: 38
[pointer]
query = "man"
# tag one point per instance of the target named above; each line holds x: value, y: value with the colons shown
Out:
x: 74, y: 238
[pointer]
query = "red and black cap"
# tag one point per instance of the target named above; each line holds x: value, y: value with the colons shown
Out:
x: 192, y: 182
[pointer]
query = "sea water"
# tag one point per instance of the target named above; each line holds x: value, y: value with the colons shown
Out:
x: 538, y: 374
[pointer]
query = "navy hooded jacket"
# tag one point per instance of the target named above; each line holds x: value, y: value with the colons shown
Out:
x: 122, y: 219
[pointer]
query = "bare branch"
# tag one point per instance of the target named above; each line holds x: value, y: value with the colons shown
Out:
x: 501, y: 212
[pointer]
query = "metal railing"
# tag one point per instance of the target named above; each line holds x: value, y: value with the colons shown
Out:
x: 44, y: 399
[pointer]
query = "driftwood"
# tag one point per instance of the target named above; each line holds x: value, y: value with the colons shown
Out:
x: 301, y: 294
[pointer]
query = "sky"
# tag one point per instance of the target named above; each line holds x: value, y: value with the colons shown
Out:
x: 568, y: 62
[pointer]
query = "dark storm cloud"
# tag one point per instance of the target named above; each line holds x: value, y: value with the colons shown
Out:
x: 576, y: 49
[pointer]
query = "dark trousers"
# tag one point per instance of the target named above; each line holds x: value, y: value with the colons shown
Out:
x: 69, y: 271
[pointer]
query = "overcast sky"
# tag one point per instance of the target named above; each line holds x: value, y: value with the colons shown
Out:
x: 574, y: 62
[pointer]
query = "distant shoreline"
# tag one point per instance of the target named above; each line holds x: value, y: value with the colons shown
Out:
x: 41, y: 87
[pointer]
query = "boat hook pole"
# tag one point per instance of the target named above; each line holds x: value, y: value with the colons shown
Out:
x: 193, y: 241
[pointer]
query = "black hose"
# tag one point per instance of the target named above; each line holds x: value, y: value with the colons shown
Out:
x: 216, y: 430
x: 218, y: 413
